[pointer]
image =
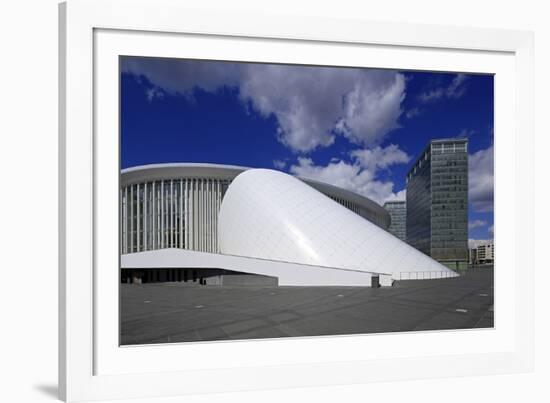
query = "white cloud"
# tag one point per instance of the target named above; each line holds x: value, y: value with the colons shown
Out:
x: 411, y: 113
x: 372, y: 108
x: 311, y: 105
x: 279, y: 164
x: 360, y: 175
x: 481, y: 180
x: 466, y: 133
x: 380, y: 158
x: 491, y: 229
x: 183, y: 77
x: 305, y: 102
x: 399, y: 196
x: 456, y: 89
x: 453, y: 91
x: 153, y: 93
x: 476, y: 224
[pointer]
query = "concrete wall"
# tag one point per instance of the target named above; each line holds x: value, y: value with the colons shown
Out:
x: 288, y: 274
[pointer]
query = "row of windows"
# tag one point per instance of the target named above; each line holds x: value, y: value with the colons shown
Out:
x: 451, y: 147
x: 456, y: 160
x: 346, y: 203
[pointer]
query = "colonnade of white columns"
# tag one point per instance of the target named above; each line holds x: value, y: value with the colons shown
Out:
x: 175, y: 213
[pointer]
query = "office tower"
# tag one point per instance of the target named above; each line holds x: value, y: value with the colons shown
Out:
x: 398, y: 214
x: 437, y: 202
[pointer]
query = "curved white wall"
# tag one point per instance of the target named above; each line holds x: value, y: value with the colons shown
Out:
x: 271, y: 215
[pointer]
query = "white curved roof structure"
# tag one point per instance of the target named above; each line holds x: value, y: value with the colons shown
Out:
x: 270, y: 215
x: 167, y: 171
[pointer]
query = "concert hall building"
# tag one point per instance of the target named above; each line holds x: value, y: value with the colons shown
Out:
x: 220, y: 225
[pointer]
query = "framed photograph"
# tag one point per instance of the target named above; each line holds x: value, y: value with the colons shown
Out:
x: 273, y: 207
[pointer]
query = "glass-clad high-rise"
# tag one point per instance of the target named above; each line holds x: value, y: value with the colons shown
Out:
x: 437, y: 202
x: 398, y: 214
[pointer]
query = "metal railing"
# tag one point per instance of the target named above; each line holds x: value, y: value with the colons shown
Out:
x: 425, y: 275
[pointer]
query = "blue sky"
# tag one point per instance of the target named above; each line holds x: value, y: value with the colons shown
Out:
x: 360, y: 129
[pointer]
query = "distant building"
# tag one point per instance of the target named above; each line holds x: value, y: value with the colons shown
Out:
x: 481, y: 251
x: 437, y: 202
x: 486, y: 253
x: 398, y: 214
x: 472, y: 256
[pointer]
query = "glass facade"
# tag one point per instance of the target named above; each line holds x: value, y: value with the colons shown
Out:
x: 398, y: 214
x: 437, y: 202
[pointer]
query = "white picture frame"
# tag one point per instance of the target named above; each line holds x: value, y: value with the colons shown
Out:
x: 93, y: 366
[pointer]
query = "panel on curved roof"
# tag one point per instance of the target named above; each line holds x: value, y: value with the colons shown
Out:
x: 271, y: 215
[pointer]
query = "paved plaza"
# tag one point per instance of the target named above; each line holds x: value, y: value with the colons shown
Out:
x: 188, y: 312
